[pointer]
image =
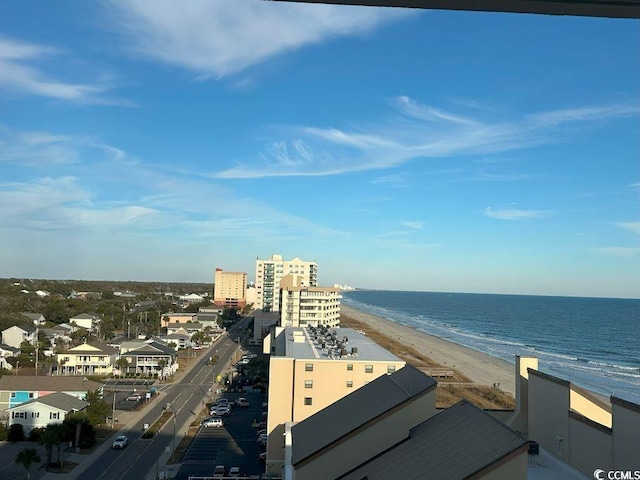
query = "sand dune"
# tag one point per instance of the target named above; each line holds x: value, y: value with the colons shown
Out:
x: 478, y: 366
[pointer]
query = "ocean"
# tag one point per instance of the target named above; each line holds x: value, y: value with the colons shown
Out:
x: 593, y: 342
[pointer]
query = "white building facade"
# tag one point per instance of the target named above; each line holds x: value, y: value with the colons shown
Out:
x: 271, y: 271
x: 308, y: 306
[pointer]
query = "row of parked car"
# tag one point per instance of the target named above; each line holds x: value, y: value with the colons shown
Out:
x: 221, y: 408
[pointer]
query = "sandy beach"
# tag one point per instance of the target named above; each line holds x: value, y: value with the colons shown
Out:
x: 478, y: 366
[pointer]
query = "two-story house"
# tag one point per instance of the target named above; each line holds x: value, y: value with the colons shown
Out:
x: 93, y: 358
x: 42, y: 411
x: 37, y: 318
x: 149, y: 358
x: 14, y: 336
x: 85, y: 320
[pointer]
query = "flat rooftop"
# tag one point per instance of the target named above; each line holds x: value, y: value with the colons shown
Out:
x: 333, y: 344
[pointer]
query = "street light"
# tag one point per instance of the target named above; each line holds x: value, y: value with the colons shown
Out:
x: 113, y: 412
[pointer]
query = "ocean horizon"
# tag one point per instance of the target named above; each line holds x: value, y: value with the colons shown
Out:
x: 593, y: 342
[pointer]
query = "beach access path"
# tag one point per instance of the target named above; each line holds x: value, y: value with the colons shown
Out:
x: 478, y: 366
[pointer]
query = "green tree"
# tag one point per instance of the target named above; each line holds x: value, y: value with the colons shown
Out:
x: 26, y: 458
x: 123, y: 365
x: 51, y: 436
x: 98, y: 410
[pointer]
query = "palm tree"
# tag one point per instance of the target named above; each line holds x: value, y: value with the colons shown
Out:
x: 26, y: 458
x: 122, y: 365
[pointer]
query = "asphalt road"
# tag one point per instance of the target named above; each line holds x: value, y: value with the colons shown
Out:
x: 140, y: 456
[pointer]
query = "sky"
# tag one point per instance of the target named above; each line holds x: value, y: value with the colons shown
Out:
x: 400, y: 149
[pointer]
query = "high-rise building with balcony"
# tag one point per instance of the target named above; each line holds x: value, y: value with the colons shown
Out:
x: 270, y: 272
x: 302, y: 306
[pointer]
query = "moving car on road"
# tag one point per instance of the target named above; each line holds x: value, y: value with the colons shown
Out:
x: 120, y: 442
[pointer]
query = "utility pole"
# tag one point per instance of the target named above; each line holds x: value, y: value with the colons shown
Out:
x: 37, y: 350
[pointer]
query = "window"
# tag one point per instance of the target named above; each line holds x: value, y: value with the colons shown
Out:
x: 308, y: 401
x: 54, y: 416
x: 368, y: 369
x: 391, y: 368
x: 349, y: 367
x: 308, y: 384
x: 30, y: 394
x: 19, y: 415
x: 349, y: 384
x: 35, y: 414
x: 308, y: 367
x: 13, y: 394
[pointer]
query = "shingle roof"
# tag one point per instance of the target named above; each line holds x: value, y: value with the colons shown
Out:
x: 29, y: 328
x: 153, y: 348
x: 83, y: 316
x: 455, y: 444
x: 32, y: 316
x: 9, y: 348
x: 106, y: 349
x: 62, y: 383
x: 62, y: 401
x: 356, y: 409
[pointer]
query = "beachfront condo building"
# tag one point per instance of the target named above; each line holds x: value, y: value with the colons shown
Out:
x: 270, y: 272
x: 230, y: 288
x: 309, y: 369
x: 302, y: 306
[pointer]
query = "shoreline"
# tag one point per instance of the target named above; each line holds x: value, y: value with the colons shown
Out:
x: 480, y: 367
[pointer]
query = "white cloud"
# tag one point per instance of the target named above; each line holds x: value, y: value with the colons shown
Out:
x: 512, y: 213
x: 631, y: 226
x: 413, y: 224
x: 425, y: 133
x: 19, y: 73
x: 618, y: 251
x: 215, y: 38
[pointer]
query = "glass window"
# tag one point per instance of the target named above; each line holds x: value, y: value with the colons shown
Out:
x: 308, y: 384
x: 349, y: 384
x: 308, y: 401
x: 349, y: 367
x: 391, y: 368
x: 308, y: 367
x: 368, y: 369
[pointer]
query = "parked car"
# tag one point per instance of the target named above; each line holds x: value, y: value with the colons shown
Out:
x: 212, y: 422
x: 134, y: 397
x: 221, y: 411
x: 234, y: 472
x: 242, y: 402
x: 120, y: 442
x: 219, y: 471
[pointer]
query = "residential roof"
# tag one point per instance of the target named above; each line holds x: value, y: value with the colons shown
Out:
x: 91, y: 347
x: 153, y: 348
x: 460, y: 441
x: 356, y: 409
x: 185, y: 325
x: 177, y: 336
x: 59, y: 400
x: 83, y: 316
x: 29, y: 328
x: 63, y: 383
x: 8, y: 348
x: 32, y: 316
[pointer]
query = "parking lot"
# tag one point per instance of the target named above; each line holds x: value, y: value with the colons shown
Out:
x: 124, y: 389
x: 232, y: 445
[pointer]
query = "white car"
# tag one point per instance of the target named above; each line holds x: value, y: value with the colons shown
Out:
x: 234, y: 472
x: 221, y: 411
x: 242, y: 402
x: 212, y: 422
x: 120, y: 442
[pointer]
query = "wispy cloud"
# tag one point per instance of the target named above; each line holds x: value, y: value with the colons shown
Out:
x: 424, y: 132
x: 631, y: 226
x: 618, y: 251
x: 413, y: 224
x: 512, y: 213
x: 214, y: 38
x: 19, y: 72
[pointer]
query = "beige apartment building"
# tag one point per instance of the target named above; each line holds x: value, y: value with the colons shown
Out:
x: 270, y: 272
x: 311, y: 368
x: 230, y: 288
x: 302, y: 306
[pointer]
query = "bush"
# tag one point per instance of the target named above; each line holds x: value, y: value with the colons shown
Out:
x: 34, y: 434
x: 3, y: 432
x: 16, y: 433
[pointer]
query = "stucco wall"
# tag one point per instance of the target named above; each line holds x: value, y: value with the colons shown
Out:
x: 548, y: 414
x: 586, y: 407
x: 590, y: 447
x: 513, y: 469
x: 626, y: 436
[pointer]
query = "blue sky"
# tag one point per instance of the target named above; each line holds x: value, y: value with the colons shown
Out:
x: 400, y: 149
